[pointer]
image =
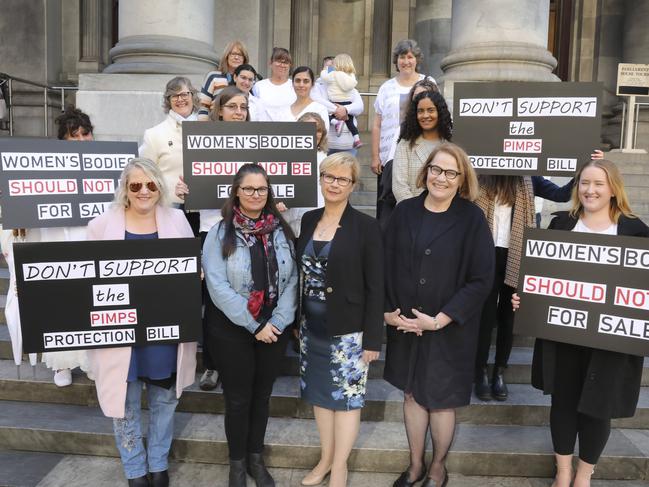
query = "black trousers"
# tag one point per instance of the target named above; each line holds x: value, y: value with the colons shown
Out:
x: 208, y: 361
x: 497, y: 311
x: 247, y: 368
x: 566, y: 422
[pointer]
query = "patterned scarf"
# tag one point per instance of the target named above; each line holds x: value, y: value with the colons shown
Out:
x: 253, y: 231
x: 523, y: 217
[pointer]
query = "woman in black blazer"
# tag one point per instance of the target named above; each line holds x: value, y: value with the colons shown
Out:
x: 588, y: 386
x: 439, y: 257
x: 341, y: 257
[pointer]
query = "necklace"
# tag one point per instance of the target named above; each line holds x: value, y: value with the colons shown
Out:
x: 320, y: 233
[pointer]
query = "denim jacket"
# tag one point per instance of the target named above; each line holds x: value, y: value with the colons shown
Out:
x: 229, y: 280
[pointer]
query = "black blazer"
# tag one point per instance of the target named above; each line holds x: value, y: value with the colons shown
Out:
x: 613, y: 379
x: 354, y: 280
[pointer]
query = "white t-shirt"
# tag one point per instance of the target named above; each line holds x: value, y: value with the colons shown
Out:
x: 272, y: 95
x: 256, y: 109
x: 502, y: 225
x: 390, y: 100
x: 284, y: 113
x: 580, y: 227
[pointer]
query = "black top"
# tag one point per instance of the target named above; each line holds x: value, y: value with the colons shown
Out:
x: 613, y: 380
x: 354, y: 280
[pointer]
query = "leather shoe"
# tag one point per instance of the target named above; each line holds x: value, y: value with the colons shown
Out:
x: 237, y: 476
x: 404, y: 479
x: 258, y: 471
x: 209, y: 380
x: 498, y: 386
x: 431, y: 483
x: 160, y: 479
x: 482, y: 386
x: 139, y: 482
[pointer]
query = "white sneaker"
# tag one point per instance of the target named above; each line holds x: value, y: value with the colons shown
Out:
x: 63, y: 377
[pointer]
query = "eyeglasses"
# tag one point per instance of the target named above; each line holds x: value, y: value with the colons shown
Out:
x: 330, y: 179
x: 136, y: 187
x: 249, y: 190
x: 236, y: 54
x: 450, y: 174
x: 236, y: 108
x: 185, y: 95
x: 284, y: 62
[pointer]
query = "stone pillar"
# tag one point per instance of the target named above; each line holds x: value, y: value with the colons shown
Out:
x: 304, y: 33
x: 499, y: 40
x: 164, y: 36
x: 433, y: 33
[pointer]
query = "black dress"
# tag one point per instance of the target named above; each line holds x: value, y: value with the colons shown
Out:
x: 437, y: 262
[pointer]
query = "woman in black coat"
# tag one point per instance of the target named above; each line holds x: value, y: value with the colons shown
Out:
x: 439, y: 258
x: 340, y: 253
x: 588, y: 386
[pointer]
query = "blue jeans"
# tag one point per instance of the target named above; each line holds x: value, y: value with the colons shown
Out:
x: 128, y: 430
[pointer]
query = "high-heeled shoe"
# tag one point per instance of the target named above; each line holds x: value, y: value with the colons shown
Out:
x: 315, y: 479
x: 404, y: 479
x: 431, y: 483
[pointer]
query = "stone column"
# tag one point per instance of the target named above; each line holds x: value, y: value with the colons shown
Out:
x: 499, y: 40
x: 433, y: 33
x: 164, y: 36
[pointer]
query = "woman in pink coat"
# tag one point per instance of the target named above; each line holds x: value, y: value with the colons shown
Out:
x: 140, y: 211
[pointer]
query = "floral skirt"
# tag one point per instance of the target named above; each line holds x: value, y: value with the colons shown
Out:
x: 332, y: 372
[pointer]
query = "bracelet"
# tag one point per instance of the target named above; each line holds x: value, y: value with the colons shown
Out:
x: 436, y: 325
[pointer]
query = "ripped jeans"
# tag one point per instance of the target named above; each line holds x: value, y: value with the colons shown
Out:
x: 128, y: 430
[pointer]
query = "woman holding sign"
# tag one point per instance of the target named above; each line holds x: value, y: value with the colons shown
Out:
x: 588, y: 386
x: 439, y: 269
x: 251, y: 276
x: 140, y: 211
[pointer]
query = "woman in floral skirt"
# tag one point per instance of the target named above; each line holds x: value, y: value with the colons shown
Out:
x: 341, y: 259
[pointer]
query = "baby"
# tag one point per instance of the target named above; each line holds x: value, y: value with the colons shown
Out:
x: 340, y: 80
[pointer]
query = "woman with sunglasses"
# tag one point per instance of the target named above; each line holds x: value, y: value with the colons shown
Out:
x: 341, y: 259
x: 251, y: 276
x: 438, y: 272
x: 277, y: 90
x: 140, y: 211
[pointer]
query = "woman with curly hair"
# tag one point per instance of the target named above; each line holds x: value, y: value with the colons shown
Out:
x: 427, y: 123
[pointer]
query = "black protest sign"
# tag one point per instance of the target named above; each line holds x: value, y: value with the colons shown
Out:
x: 214, y: 151
x: 58, y: 183
x: 139, y: 292
x: 586, y: 289
x: 527, y: 128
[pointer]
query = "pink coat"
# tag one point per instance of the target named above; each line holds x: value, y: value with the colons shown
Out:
x: 110, y: 365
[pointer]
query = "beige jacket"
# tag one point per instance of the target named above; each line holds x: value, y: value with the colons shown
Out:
x: 406, y: 166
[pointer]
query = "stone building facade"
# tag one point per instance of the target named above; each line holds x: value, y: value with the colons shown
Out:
x: 121, y: 52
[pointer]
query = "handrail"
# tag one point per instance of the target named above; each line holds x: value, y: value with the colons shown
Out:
x: 9, y: 79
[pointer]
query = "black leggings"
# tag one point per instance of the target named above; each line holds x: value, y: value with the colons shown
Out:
x: 351, y: 126
x: 566, y: 422
x: 247, y: 368
x: 497, y: 310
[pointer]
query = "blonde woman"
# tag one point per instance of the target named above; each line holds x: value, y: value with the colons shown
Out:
x: 589, y: 386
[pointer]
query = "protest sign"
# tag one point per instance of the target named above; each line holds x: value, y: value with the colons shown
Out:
x: 58, y: 183
x: 527, y: 128
x: 585, y: 289
x: 213, y: 152
x: 138, y: 292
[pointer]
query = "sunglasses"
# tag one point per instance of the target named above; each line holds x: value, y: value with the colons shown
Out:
x: 136, y: 187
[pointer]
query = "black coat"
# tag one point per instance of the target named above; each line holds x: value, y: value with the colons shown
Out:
x: 453, y: 274
x: 354, y: 279
x: 613, y: 379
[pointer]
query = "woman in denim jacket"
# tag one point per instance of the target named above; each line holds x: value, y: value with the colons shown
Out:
x: 251, y: 275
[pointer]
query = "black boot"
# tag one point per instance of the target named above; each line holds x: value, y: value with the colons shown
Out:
x: 482, y: 386
x: 139, y: 482
x: 237, y: 476
x: 499, y: 387
x: 160, y: 479
x: 258, y: 470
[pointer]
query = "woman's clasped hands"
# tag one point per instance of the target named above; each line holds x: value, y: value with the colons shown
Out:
x: 420, y: 323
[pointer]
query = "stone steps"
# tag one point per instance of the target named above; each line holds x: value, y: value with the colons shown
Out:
x: 293, y: 443
x: 525, y: 406
x: 36, y: 469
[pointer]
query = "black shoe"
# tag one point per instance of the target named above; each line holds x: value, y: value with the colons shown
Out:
x: 482, y: 386
x: 139, y: 482
x: 160, y: 479
x: 499, y: 387
x: 237, y: 477
x: 404, y: 479
x: 431, y: 483
x: 258, y: 471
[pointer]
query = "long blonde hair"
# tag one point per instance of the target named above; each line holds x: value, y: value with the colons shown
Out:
x: 619, y: 201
